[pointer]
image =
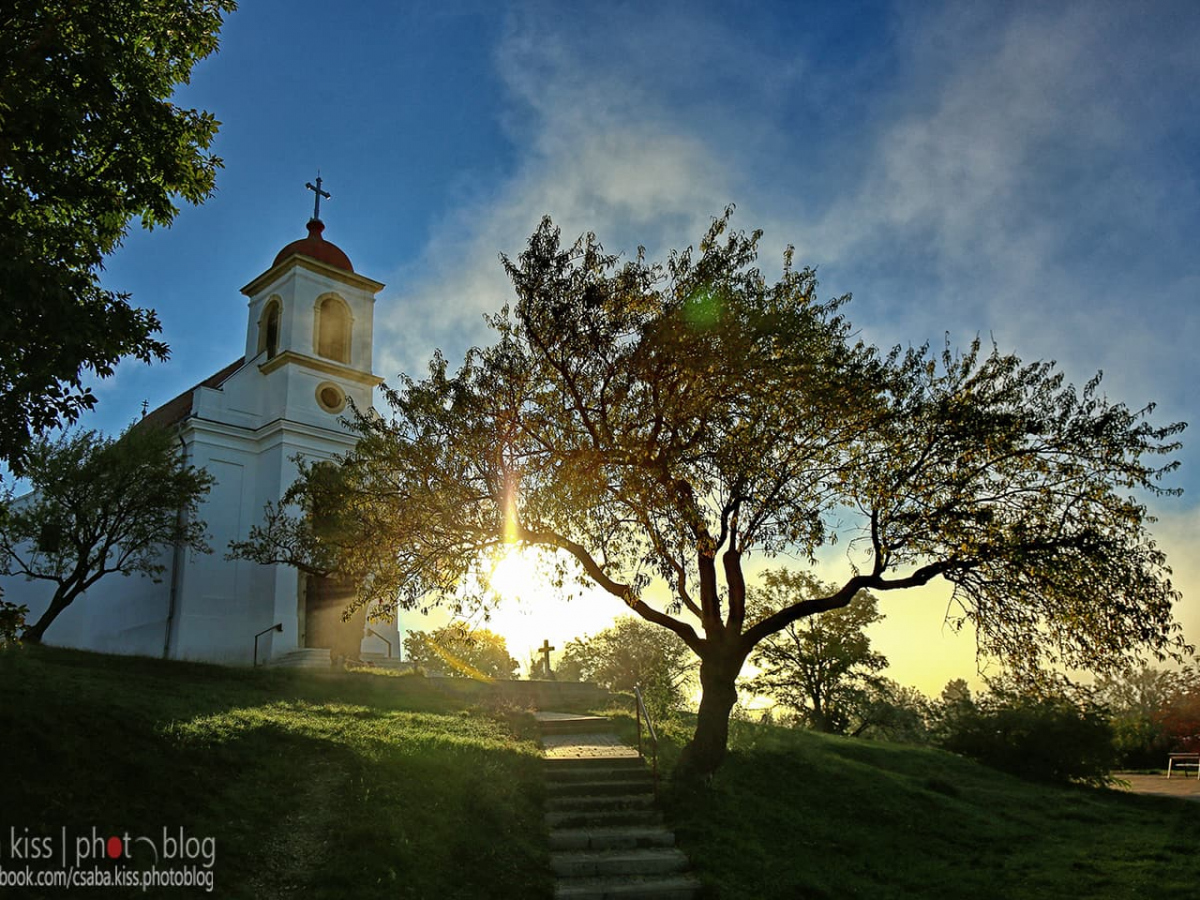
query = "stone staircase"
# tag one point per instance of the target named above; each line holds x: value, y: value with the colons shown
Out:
x: 319, y: 658
x: 607, y: 838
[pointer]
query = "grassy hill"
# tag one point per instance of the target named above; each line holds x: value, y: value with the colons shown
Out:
x: 795, y: 814
x: 312, y: 785
x: 365, y: 786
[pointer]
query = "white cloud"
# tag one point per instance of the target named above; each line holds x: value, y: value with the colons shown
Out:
x: 1023, y: 185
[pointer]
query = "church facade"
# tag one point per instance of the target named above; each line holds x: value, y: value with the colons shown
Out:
x: 307, y: 354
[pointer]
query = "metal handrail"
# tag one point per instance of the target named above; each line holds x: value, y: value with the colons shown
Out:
x: 382, y: 638
x: 642, y: 711
x: 278, y: 626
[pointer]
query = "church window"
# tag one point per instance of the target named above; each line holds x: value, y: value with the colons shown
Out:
x: 330, y: 397
x: 333, y: 329
x: 268, y: 328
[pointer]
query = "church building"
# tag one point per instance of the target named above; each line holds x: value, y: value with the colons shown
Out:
x: 308, y: 344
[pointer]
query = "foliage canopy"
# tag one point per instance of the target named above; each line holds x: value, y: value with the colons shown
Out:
x: 89, y: 140
x: 663, y: 420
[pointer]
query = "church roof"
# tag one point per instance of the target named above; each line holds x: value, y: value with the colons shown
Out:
x: 179, y: 408
x: 316, y: 247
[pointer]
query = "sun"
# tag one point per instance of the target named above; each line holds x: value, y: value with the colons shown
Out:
x: 517, y: 573
x: 532, y: 610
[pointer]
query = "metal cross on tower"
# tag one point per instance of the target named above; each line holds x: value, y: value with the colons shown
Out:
x: 319, y: 194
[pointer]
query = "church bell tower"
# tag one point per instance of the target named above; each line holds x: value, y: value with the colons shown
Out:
x: 310, y: 328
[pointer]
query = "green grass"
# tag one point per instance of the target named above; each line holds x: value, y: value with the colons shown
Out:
x: 324, y: 786
x: 312, y: 785
x: 794, y: 814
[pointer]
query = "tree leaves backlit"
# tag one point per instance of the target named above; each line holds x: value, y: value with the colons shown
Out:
x: 665, y: 420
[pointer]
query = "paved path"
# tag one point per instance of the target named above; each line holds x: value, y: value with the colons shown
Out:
x: 1185, y: 787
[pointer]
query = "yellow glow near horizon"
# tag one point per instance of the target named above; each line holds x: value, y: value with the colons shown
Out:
x: 921, y: 650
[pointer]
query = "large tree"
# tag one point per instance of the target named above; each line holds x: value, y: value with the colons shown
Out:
x: 666, y: 420
x: 89, y: 140
x: 100, y: 506
x: 821, y: 666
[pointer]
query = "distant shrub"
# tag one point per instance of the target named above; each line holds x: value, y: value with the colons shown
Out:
x: 12, y: 622
x: 1047, y: 737
x: 1154, y: 712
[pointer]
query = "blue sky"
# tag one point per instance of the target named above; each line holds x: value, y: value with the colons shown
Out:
x: 1025, y: 172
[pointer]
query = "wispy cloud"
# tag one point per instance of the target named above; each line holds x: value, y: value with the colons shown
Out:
x: 1023, y: 172
x: 1017, y: 173
x: 1026, y: 182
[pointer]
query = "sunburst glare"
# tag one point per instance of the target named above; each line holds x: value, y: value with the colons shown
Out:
x: 531, y: 609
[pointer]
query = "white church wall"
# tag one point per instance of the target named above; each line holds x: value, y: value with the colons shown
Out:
x: 234, y: 404
x: 118, y: 614
x: 279, y: 584
x: 216, y: 615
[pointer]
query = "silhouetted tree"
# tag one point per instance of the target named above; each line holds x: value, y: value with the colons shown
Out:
x: 89, y: 140
x: 821, y: 666
x: 664, y: 420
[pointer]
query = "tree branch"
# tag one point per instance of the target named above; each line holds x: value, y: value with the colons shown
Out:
x: 624, y: 591
x: 842, y: 597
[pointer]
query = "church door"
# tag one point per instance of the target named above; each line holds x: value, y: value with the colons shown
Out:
x: 325, y: 601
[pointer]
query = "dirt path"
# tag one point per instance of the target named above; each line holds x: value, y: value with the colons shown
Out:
x: 1183, y: 786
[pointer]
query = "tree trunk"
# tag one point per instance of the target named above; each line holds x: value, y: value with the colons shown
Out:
x: 718, y: 678
x: 33, y: 633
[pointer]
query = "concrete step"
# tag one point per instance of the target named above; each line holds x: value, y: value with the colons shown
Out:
x: 599, y: 773
x: 638, y: 861
x: 568, y: 724
x: 305, y: 658
x: 561, y: 766
x: 599, y: 788
x: 575, y: 818
x: 599, y: 803
x: 611, y: 837
x: 382, y: 661
x: 652, y: 887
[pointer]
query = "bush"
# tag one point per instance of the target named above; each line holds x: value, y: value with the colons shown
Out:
x: 12, y: 622
x: 633, y: 652
x: 1141, y: 741
x: 1046, y: 737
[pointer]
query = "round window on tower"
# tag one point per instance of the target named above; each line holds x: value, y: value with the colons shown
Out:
x: 330, y: 397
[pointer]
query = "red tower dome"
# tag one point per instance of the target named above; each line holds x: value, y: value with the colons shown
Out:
x: 316, y: 247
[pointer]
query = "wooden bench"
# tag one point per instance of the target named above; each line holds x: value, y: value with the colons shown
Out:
x: 1183, y: 761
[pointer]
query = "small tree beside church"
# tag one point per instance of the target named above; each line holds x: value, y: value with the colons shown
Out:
x: 99, y: 506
